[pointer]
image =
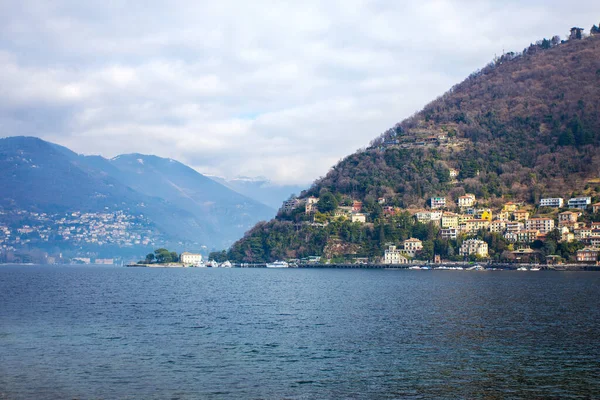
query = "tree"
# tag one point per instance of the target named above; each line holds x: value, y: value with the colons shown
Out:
x: 327, y: 203
x: 150, y: 258
x: 162, y: 255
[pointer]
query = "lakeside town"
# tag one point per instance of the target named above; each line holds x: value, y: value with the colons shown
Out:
x: 468, y: 220
x: 80, y: 231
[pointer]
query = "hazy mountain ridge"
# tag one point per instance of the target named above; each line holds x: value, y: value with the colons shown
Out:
x: 181, y: 204
x: 261, y: 189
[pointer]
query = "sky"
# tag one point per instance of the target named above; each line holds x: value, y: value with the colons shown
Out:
x: 280, y: 89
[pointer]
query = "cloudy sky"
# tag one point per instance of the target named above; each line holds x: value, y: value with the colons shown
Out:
x: 282, y: 89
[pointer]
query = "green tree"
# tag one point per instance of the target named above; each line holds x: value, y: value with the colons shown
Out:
x: 150, y: 258
x: 327, y: 202
x: 162, y: 256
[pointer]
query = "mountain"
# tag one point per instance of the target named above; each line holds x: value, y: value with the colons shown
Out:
x: 156, y: 201
x: 525, y: 126
x: 225, y: 213
x: 261, y: 189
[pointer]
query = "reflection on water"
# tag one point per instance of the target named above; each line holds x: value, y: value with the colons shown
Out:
x: 110, y: 332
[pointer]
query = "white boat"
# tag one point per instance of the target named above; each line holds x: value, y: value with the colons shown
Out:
x: 212, y: 264
x: 534, y: 268
x: 226, y: 264
x: 522, y: 269
x: 476, y: 267
x: 414, y: 267
x: 278, y: 264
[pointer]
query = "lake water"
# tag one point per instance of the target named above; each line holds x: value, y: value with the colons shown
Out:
x: 109, y: 332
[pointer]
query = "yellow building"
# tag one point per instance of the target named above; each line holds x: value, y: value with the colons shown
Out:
x: 450, y: 220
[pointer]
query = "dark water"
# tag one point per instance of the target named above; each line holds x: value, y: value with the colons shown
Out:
x: 108, y: 332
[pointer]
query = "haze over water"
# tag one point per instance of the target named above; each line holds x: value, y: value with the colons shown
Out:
x: 108, y: 332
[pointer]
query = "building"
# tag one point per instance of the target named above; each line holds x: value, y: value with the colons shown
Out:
x: 359, y: 217
x: 468, y: 200
x: 450, y: 220
x: 588, y: 254
x: 521, y: 215
x: 544, y: 225
x: 511, y: 237
x: 510, y: 206
x: 190, y: 258
x: 438, y: 202
x: 583, y: 232
x: 554, y: 202
x: 104, y: 261
x: 449, y: 233
x: 483, y: 213
x: 357, y: 206
x: 568, y: 217
x: 474, y: 225
x: 392, y: 255
x: 579, y: 202
x: 474, y: 246
x: 428, y: 216
x: 453, y: 173
x: 497, y: 226
x: 596, y: 208
x: 310, y: 207
x: 527, y: 235
x: 412, y: 246
x: 289, y: 205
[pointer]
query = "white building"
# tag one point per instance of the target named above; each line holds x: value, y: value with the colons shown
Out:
x: 555, y: 202
x: 394, y: 256
x: 449, y: 233
x: 438, y: 202
x: 580, y: 202
x: 544, y: 225
x: 359, y: 217
x: 474, y: 246
x: 190, y: 258
x: 468, y: 200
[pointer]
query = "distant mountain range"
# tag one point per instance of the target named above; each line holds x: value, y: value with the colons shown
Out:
x: 261, y: 189
x: 181, y: 206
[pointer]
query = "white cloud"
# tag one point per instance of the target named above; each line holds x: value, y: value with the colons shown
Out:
x: 269, y: 88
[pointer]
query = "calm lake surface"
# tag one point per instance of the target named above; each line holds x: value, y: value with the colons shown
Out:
x: 110, y: 332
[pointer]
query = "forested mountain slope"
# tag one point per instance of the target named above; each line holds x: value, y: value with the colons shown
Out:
x: 526, y: 126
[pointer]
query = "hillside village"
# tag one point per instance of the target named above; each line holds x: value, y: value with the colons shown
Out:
x: 81, y: 231
x: 465, y: 219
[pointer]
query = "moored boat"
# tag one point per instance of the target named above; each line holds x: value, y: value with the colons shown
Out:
x: 278, y: 264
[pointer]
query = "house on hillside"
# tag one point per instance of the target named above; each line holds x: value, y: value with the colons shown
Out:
x: 596, y: 208
x: 579, y: 202
x: 568, y: 217
x: 468, y: 200
x: 521, y: 215
x: 359, y: 217
x: 412, y: 246
x: 554, y: 202
x: 474, y: 246
x: 438, y: 202
x: 310, y: 207
x: 544, y: 225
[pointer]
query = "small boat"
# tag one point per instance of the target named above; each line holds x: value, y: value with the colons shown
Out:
x: 225, y: 264
x: 414, y: 267
x: 534, y: 268
x: 278, y: 264
x: 522, y: 269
